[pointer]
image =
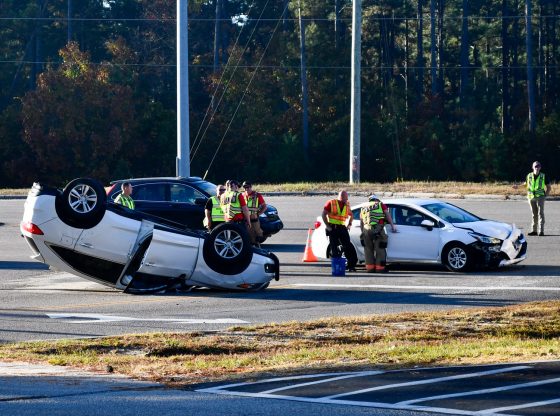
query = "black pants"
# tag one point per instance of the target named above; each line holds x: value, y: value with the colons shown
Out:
x: 339, y: 237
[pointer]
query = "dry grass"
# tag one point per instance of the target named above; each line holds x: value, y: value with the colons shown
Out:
x: 491, y: 335
x: 438, y: 188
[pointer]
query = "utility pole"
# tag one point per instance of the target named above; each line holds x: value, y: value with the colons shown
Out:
x: 355, y: 118
x: 69, y: 19
x: 183, y: 156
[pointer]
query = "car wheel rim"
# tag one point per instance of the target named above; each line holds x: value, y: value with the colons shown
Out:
x: 82, y: 198
x: 457, y: 258
x: 228, y: 244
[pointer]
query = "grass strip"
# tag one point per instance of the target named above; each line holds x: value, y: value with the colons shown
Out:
x: 525, y: 332
x: 437, y: 188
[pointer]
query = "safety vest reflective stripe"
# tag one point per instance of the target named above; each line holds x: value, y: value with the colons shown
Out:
x: 230, y: 204
x: 217, y: 214
x: 253, y: 203
x: 372, y: 214
x: 125, y: 200
x: 337, y: 216
x: 535, y: 188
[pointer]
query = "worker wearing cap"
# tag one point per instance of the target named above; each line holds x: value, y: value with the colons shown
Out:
x: 213, y: 214
x: 337, y: 217
x: 373, y: 218
x: 234, y: 205
x: 256, y: 206
x: 537, y: 190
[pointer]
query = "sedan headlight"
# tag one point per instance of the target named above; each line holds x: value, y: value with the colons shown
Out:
x: 485, y: 239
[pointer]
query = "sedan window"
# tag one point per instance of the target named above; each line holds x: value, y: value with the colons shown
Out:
x: 403, y: 215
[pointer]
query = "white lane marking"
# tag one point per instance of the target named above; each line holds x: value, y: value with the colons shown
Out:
x: 482, y: 391
x: 520, y: 406
x: 327, y: 380
x: 219, y: 389
x: 429, y: 381
x: 87, y: 318
x: 378, y: 405
x: 454, y: 288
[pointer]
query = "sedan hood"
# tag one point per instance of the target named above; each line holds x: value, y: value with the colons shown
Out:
x: 489, y: 228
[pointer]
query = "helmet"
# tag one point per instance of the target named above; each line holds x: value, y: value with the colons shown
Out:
x: 373, y: 197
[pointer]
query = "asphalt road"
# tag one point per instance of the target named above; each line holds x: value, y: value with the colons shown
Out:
x: 38, y: 303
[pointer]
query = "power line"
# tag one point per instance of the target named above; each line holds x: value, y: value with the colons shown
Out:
x: 245, y: 20
x: 342, y: 67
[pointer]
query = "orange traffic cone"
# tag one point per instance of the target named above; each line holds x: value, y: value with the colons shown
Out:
x: 308, y: 255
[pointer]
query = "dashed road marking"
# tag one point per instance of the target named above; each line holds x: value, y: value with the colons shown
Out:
x: 83, y: 318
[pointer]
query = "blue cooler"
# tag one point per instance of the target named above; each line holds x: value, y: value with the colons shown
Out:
x: 338, y: 265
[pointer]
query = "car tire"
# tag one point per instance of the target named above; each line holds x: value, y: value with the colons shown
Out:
x: 227, y: 249
x: 82, y: 203
x: 457, y: 258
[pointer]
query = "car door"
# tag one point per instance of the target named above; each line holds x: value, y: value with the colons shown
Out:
x: 412, y: 242
x: 170, y: 254
x: 112, y: 239
x: 152, y: 198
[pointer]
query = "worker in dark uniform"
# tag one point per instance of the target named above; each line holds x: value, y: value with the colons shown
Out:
x: 213, y: 214
x: 373, y: 218
x: 337, y: 217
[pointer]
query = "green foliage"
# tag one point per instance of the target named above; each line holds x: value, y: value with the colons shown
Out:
x: 105, y: 104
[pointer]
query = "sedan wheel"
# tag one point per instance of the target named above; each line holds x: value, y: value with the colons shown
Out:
x: 457, y: 258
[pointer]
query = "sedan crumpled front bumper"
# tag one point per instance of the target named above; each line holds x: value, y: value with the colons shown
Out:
x: 511, y: 251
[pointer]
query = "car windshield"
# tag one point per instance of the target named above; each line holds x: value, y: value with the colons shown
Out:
x: 451, y: 213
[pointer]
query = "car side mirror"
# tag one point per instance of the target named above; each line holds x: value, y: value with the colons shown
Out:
x: 200, y: 201
x: 428, y: 224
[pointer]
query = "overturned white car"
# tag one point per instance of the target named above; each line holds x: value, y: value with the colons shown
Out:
x: 78, y: 231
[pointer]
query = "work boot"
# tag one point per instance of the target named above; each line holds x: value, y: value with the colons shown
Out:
x: 532, y: 233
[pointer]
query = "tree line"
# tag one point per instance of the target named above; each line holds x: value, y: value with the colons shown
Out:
x: 451, y: 89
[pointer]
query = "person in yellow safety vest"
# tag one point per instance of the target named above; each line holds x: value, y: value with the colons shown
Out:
x: 124, y: 197
x: 213, y: 214
x: 337, y: 217
x: 256, y: 206
x: 373, y: 217
x: 234, y: 205
x: 537, y: 190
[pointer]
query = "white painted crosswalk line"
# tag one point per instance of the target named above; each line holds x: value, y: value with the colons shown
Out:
x: 519, y: 406
x: 429, y: 381
x: 326, y: 380
x: 482, y: 391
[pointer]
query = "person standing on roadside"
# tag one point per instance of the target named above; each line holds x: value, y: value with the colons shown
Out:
x: 337, y: 217
x: 234, y: 205
x: 537, y: 190
x: 373, y: 217
x: 124, y: 197
x: 256, y: 206
x: 213, y: 214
